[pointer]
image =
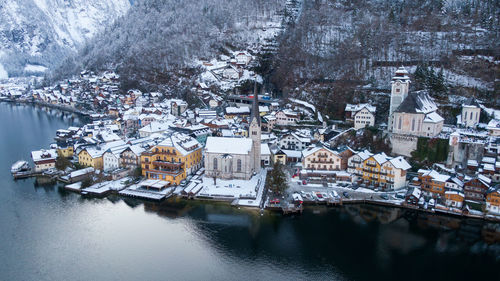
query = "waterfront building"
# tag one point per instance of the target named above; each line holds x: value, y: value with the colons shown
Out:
x: 379, y: 170
x: 493, y: 200
x: 454, y: 199
x: 432, y: 182
x: 130, y: 158
x: 172, y: 159
x: 475, y: 189
x: 236, y: 158
x: 91, y: 156
x: 44, y: 159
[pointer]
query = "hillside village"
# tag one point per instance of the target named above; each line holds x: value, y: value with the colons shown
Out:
x: 229, y: 144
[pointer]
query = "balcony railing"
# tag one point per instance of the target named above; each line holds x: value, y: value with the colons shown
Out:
x: 168, y: 164
x: 322, y: 161
x: 371, y: 165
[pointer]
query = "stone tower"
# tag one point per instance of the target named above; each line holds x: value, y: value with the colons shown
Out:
x: 254, y: 130
x: 400, y: 84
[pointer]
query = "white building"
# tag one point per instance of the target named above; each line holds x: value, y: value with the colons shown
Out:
x: 110, y: 161
x: 321, y: 158
x: 471, y: 112
x: 361, y: 115
x: 294, y: 141
x: 44, y: 159
x: 400, y: 85
x: 235, y: 158
x: 417, y: 116
x: 286, y: 117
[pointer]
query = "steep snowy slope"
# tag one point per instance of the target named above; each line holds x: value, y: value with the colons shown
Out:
x: 34, y: 34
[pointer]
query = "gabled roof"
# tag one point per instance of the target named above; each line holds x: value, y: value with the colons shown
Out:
x: 471, y: 102
x: 417, y: 102
x: 228, y: 145
x: 311, y: 150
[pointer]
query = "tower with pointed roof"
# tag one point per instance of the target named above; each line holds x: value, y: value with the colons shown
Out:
x: 254, y: 130
x: 400, y: 85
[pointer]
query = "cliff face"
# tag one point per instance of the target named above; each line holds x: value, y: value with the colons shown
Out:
x: 35, y: 34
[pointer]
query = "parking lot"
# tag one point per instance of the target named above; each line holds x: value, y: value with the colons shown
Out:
x: 322, y: 192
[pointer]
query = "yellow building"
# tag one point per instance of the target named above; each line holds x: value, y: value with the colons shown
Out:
x: 90, y: 157
x: 173, y: 159
x: 379, y: 170
x: 66, y: 152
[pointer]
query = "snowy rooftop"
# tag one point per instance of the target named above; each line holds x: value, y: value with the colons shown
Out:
x: 228, y: 145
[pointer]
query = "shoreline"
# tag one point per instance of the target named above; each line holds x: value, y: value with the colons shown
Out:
x: 62, y: 108
x: 306, y: 205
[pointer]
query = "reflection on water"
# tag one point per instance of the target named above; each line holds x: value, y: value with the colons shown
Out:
x: 51, y: 234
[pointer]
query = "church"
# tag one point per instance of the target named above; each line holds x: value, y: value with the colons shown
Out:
x: 236, y: 158
x: 411, y: 115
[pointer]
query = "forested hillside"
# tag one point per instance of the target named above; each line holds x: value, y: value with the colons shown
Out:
x: 327, y: 51
x: 158, y: 39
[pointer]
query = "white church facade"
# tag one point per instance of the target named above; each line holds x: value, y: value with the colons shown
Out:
x: 236, y: 158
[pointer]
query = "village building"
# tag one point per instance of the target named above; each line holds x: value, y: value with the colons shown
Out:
x: 173, y: 159
x: 286, y: 117
x: 236, y: 158
x: 416, y: 116
x: 471, y: 112
x: 320, y: 158
x: 362, y: 115
x: 44, y: 159
x: 400, y: 86
x: 379, y: 170
x: 130, y: 158
x: 432, y: 183
x: 294, y: 141
x: 475, y: 189
x: 493, y: 200
x: 454, y: 199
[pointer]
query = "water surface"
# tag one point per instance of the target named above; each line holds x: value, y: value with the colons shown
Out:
x: 49, y: 234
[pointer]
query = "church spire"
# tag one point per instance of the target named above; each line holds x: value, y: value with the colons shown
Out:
x: 255, y: 105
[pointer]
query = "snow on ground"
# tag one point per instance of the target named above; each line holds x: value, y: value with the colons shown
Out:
x: 3, y: 72
x: 106, y: 186
x: 235, y: 188
x: 34, y: 68
x: 463, y: 80
x: 493, y: 112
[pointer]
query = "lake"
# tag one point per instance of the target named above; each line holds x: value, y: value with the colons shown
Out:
x: 50, y: 234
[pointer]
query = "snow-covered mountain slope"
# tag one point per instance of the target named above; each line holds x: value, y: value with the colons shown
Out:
x: 35, y: 34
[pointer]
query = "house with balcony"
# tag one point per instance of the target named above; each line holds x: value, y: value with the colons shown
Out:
x: 475, y: 189
x: 172, y: 159
x: 493, y: 200
x: 379, y: 170
x: 432, y: 183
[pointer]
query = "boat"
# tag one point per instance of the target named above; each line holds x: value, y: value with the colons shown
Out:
x: 20, y: 166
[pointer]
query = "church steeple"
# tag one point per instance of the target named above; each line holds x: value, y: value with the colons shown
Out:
x: 255, y: 105
x: 255, y: 130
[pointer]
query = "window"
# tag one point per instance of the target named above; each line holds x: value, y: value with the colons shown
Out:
x: 215, y: 163
x: 399, y: 125
x: 471, y: 116
x: 413, y: 124
x: 238, y: 165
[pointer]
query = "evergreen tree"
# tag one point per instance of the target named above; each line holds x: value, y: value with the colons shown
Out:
x: 276, y: 179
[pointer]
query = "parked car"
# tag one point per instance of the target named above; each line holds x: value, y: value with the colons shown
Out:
x: 274, y: 201
x: 319, y: 196
x: 384, y: 196
x: 346, y: 194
